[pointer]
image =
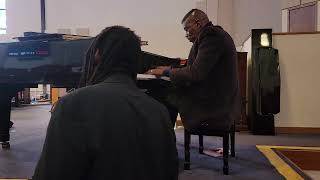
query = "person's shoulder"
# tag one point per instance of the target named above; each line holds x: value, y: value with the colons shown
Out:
x: 215, y: 30
x: 215, y: 33
x: 77, y: 92
x: 155, y: 104
x: 80, y: 94
x: 208, y: 31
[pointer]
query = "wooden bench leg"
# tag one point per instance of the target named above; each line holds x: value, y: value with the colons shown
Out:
x: 201, y: 144
x: 225, y: 154
x: 187, y: 138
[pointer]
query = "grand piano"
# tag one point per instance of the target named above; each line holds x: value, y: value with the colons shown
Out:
x: 56, y: 59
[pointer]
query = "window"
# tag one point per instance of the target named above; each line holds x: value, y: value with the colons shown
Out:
x: 303, y: 18
x: 3, y: 17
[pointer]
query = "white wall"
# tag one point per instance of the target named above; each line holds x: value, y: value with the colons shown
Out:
x: 212, y: 10
x: 318, y: 19
x: 158, y: 22
x: 22, y: 16
x: 285, y: 20
x: 210, y: 7
x: 307, y: 1
x: 226, y: 15
x: 300, y: 87
x: 289, y: 3
x: 220, y: 12
x: 155, y: 21
x: 255, y: 14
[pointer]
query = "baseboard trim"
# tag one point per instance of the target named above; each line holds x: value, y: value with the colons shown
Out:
x: 297, y: 130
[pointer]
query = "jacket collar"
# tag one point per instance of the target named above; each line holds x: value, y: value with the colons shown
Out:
x: 208, y: 25
x: 120, y: 78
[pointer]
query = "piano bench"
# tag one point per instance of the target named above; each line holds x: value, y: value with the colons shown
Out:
x: 225, y: 138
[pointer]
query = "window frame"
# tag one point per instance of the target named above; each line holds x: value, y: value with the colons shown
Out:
x: 5, y: 12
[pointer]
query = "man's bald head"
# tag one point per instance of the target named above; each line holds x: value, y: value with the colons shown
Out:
x: 196, y: 15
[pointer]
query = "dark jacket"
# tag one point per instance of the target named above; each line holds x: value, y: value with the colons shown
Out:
x: 266, y: 80
x: 110, y: 130
x: 208, y: 87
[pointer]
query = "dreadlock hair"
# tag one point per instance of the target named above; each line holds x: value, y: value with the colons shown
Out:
x: 119, y: 49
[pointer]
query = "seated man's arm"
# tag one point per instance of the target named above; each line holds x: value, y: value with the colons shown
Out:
x: 209, y: 53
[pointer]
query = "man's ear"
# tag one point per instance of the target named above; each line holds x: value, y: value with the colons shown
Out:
x: 198, y: 23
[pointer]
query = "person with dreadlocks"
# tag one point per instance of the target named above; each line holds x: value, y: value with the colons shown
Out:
x: 109, y: 129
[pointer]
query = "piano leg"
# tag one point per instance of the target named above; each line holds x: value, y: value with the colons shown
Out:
x: 6, y: 94
x: 5, y: 145
x: 173, y: 112
x: 5, y: 108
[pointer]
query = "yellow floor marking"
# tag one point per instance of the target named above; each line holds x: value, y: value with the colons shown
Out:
x: 289, y: 147
x: 281, y: 166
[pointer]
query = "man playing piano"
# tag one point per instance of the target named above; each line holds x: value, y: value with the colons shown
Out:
x: 207, y: 87
x: 109, y: 129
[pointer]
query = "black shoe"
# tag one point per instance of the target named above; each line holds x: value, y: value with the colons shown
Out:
x: 5, y: 145
x: 10, y: 124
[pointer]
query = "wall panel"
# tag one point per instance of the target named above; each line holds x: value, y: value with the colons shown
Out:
x: 158, y: 22
x: 289, y: 3
x: 285, y: 20
x: 300, y: 87
x: 255, y: 14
